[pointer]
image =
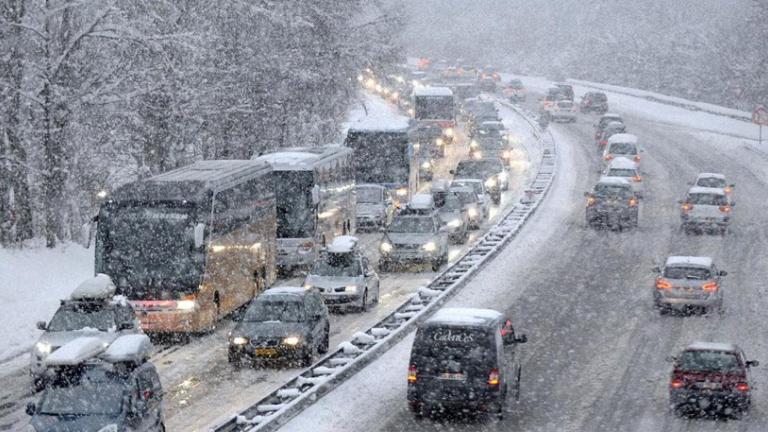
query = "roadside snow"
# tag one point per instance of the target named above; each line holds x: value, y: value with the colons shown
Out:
x: 32, y: 282
x: 373, y: 112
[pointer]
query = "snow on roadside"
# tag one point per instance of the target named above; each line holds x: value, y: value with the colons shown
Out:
x: 32, y: 281
x: 371, y: 111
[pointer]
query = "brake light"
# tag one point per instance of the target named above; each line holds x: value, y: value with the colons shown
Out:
x: 728, y: 189
x: 493, y: 377
x: 742, y: 387
x: 710, y: 287
x: 725, y: 208
x: 412, y: 374
x: 663, y: 284
x: 687, y: 207
x: 306, y: 247
x: 608, y: 157
x: 603, y: 142
x: 677, y: 383
x: 637, y: 179
x: 633, y: 202
x: 591, y: 201
x: 637, y: 158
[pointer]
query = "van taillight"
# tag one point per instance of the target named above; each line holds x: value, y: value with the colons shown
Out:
x: 725, y: 208
x: 412, y: 374
x: 710, y: 287
x: 677, y: 383
x: 742, y: 387
x: 493, y: 377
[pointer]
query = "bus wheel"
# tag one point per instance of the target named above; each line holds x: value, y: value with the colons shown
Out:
x: 216, y: 312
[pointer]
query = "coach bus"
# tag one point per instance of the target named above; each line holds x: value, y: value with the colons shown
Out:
x: 435, y: 105
x: 315, y: 200
x: 189, y: 246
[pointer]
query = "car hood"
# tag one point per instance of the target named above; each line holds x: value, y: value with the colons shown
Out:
x: 270, y: 329
x: 334, y: 281
x: 370, y: 209
x: 57, y: 339
x: 410, y: 238
x: 88, y: 423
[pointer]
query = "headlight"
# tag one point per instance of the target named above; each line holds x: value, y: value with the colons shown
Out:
x: 477, y: 155
x: 473, y: 144
x: 291, y: 340
x: 491, y: 182
x: 430, y: 247
x: 426, y: 165
x: 386, y: 247
x: 507, y: 154
x: 186, y: 304
x: 402, y: 192
x: 448, y: 132
x: 439, y: 141
x: 239, y: 340
x: 472, y: 212
x: 350, y: 289
x: 308, y: 287
x: 109, y: 428
x: 455, y: 223
x: 43, y: 347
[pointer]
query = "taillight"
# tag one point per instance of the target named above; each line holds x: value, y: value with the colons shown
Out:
x: 742, y: 387
x: 412, y: 374
x: 710, y: 287
x: 306, y: 247
x: 663, y: 284
x: 637, y: 158
x: 725, y: 208
x: 687, y: 207
x: 728, y: 190
x: 493, y: 377
x: 677, y: 383
x: 603, y: 142
x: 637, y: 179
x: 608, y: 157
x: 633, y: 202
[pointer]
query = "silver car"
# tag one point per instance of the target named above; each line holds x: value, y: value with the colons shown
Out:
x: 93, y: 311
x: 374, y: 206
x: 706, y: 209
x: 453, y: 214
x: 344, y: 276
x: 688, y: 282
x: 414, y: 238
x: 483, y: 204
x: 626, y: 168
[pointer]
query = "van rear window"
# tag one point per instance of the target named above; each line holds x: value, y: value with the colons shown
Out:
x: 439, y: 350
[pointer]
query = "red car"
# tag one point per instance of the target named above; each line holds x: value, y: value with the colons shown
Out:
x: 711, y: 379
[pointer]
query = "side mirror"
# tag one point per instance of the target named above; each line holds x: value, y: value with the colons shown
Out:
x: 753, y: 363
x: 316, y: 195
x: 199, y: 235
x: 31, y: 408
x: 656, y: 269
x: 41, y: 325
x: 723, y: 273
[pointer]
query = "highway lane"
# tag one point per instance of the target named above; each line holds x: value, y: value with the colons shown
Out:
x: 595, y: 360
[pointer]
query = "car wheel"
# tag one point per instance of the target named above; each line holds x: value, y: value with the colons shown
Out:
x: 326, y: 343
x: 309, y: 355
x: 496, y: 199
x: 436, y: 264
x: 384, y: 266
x: 363, y: 301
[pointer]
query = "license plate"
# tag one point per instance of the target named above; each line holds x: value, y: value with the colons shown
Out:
x: 710, y: 385
x: 453, y: 376
x: 266, y: 352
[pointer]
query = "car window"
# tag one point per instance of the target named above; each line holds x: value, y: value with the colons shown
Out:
x: 623, y: 148
x: 707, y: 199
x: 692, y: 273
x: 620, y: 172
x: 86, y: 398
x: 411, y: 225
x: 280, y: 308
x: 70, y: 318
x: 711, y: 182
x: 612, y: 190
x: 452, y: 203
x: 454, y: 350
x: 709, y: 361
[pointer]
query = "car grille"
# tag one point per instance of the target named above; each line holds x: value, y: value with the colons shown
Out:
x: 260, y: 343
x: 331, y: 290
x: 407, y: 246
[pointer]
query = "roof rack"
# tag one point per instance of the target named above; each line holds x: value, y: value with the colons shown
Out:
x: 133, y: 348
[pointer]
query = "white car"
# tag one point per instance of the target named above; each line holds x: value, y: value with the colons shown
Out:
x: 706, y: 209
x: 715, y: 180
x: 627, y: 168
x: 622, y: 145
x: 483, y: 197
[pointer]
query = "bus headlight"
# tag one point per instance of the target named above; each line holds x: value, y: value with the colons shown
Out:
x: 491, y: 182
x: 455, y: 223
x: 402, y: 192
x: 291, y: 340
x: 426, y: 165
x: 186, y: 304
x: 430, y: 247
x: 477, y: 155
x: 350, y: 289
x: 386, y: 247
x: 448, y: 132
x: 239, y: 340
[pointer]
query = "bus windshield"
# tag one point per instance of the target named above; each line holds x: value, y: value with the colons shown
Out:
x: 295, y: 212
x: 434, y: 108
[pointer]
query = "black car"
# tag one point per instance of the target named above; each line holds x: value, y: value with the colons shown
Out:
x: 612, y: 204
x: 283, y: 323
x: 603, y: 122
x: 566, y: 89
x: 594, y: 102
x: 462, y: 359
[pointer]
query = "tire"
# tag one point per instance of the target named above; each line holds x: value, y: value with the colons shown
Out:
x: 326, y: 343
x: 496, y: 199
x: 518, y: 382
x: 235, y: 359
x: 363, y: 302
x: 437, y: 264
x: 309, y: 355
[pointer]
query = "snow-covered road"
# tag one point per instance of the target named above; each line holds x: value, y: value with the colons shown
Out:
x: 595, y: 357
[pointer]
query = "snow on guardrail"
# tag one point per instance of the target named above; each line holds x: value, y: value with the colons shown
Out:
x: 281, y: 405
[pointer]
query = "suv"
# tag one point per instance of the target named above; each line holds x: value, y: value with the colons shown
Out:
x: 688, y: 282
x: 344, y: 276
x: 92, y: 310
x: 622, y: 145
x: 101, y: 388
x: 453, y: 214
x: 706, y: 209
x: 492, y: 171
x: 594, y: 102
x: 373, y: 206
x: 414, y: 238
x: 282, y: 323
x: 711, y: 378
x: 612, y: 204
x: 464, y: 358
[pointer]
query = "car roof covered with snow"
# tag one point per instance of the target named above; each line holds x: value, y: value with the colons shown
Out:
x: 712, y: 346
x: 421, y: 201
x: 686, y: 261
x: 342, y: 244
x: 492, y: 124
x: 432, y: 91
x: 616, y: 181
x: 622, y: 138
x: 706, y: 190
x: 98, y: 287
x: 710, y: 175
x: 463, y: 317
x: 622, y: 163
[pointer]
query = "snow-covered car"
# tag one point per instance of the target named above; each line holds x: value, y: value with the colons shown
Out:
x: 453, y: 214
x: 414, y: 239
x: 101, y: 387
x: 491, y: 170
x: 374, y: 206
x: 706, y: 209
x: 514, y: 91
x: 464, y: 358
x: 611, y: 129
x: 688, y: 282
x: 605, y: 119
x: 622, y: 145
x: 483, y: 203
x: 612, y: 204
x: 282, y: 324
x: 92, y: 310
x: 715, y: 180
x: 711, y: 378
x: 594, y: 102
x: 562, y: 110
x: 628, y: 169
x: 343, y: 275
x: 491, y: 148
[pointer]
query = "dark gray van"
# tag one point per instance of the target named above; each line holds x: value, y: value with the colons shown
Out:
x: 463, y: 359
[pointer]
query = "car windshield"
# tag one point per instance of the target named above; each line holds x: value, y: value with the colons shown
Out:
x: 452, y: 203
x: 515, y: 84
x: 467, y: 197
x: 612, y: 191
x: 605, y: 121
x: 76, y: 318
x: 478, y: 168
x: 275, y: 309
x: 411, y: 225
x: 709, y: 361
x: 620, y: 172
x: 711, y: 182
x: 475, y: 185
x: 599, y: 97
x: 368, y: 196
x: 707, y: 199
x: 336, y: 264
x: 488, y: 132
x: 623, y: 148
x: 692, y: 273
x: 491, y: 144
x: 86, y: 398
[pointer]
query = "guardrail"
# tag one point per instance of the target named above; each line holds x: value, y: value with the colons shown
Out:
x: 281, y: 405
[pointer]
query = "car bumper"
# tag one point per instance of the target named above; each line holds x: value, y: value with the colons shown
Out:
x: 173, y: 321
x: 703, y: 399
x: 610, y: 216
x: 409, y: 257
x: 682, y: 302
x: 341, y: 299
x: 560, y: 115
x: 711, y: 222
x: 274, y: 353
x: 470, y: 398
